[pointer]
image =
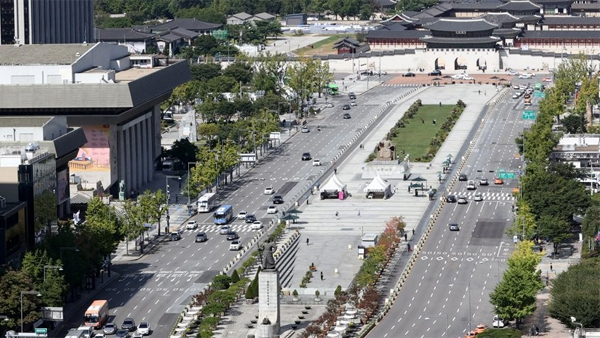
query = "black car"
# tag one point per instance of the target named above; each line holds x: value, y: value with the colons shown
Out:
x: 453, y: 227
x: 346, y: 116
x: 306, y: 157
x: 250, y: 219
x: 409, y: 74
x: 352, y: 96
x: 462, y: 177
x: 451, y: 199
x: 346, y: 107
x: 122, y: 334
x: 201, y: 237
x: 128, y: 324
x: 436, y: 72
x: 232, y: 235
x: 277, y: 199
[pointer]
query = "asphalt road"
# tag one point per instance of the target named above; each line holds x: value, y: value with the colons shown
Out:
x: 457, y: 270
x: 157, y: 287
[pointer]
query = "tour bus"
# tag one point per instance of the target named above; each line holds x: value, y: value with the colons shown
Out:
x: 97, y: 314
x: 207, y: 202
x: 223, y: 215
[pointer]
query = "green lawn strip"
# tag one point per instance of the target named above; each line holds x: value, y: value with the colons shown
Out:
x: 415, y: 137
x: 329, y: 40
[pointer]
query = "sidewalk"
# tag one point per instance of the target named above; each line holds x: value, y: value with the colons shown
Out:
x: 568, y: 255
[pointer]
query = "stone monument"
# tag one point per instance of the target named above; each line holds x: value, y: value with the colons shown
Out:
x: 268, y: 295
x: 387, y: 164
x: 122, y: 190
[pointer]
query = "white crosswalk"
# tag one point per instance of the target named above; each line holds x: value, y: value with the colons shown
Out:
x: 215, y: 228
x: 487, y: 196
x: 401, y: 85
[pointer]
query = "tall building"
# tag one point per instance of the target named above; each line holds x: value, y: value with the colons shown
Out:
x: 46, y: 21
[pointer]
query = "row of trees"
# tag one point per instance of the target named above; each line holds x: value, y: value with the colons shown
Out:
x: 550, y: 195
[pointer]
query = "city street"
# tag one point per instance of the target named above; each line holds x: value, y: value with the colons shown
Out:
x: 456, y: 271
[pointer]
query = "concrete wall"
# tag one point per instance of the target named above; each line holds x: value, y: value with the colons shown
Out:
x: 55, y: 128
x: 12, y: 75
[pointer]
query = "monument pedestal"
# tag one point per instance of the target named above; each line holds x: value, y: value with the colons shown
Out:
x: 268, y: 304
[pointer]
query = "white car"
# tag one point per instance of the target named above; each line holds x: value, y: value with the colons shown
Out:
x: 316, y: 163
x: 498, y: 322
x: 305, y: 129
x: 471, y: 185
x: 191, y: 225
x: 225, y: 229
x: 457, y: 76
x: 235, y: 245
x: 100, y: 335
x: 467, y: 77
x: 516, y: 95
x: 462, y: 200
x: 525, y: 76
x: 353, y: 103
x: 516, y: 87
x: 242, y: 215
x: 269, y: 191
x: 256, y: 225
x: 272, y: 209
x: 513, y: 73
x: 478, y: 197
x: 144, y: 328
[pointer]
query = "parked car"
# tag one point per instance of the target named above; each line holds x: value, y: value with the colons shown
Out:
x: 191, y: 225
x: 256, y: 225
x: 269, y: 191
x: 235, y: 245
x: 409, y: 74
x: 200, y: 237
x: 436, y: 72
x: 277, y: 199
x: 525, y: 76
x: 144, y: 328
x: 306, y: 157
x: 100, y: 335
x: 122, y: 334
x: 110, y: 328
x: 498, y: 322
x: 453, y: 227
x: 128, y: 324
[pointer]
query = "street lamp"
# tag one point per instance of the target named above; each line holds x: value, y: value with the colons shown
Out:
x: 188, y: 179
x: 469, y: 293
x: 446, y: 328
x: 67, y: 248
x: 60, y: 268
x: 33, y: 292
x: 167, y: 199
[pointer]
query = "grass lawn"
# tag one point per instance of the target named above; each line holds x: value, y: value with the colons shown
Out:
x: 322, y: 47
x: 415, y: 137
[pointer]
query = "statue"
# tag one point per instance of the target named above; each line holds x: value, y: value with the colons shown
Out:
x: 122, y: 190
x: 268, y: 261
x: 386, y: 151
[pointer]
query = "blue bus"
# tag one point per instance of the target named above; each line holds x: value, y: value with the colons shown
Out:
x: 223, y: 215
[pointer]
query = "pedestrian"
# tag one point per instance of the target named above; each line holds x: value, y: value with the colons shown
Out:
x: 550, y: 266
x: 434, y: 121
x: 321, y: 275
x: 406, y: 237
x: 307, y: 201
x: 422, y: 121
x: 479, y: 92
x: 335, y: 171
x: 337, y: 215
x: 485, y: 93
x: 358, y: 212
x: 176, y: 198
x: 307, y: 241
x: 408, y: 247
x: 547, y: 280
x: 440, y: 104
x: 413, y: 232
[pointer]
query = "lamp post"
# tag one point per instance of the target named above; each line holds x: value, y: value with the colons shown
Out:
x: 188, y: 179
x: 33, y: 292
x: 60, y: 268
x: 167, y: 199
x: 446, y: 328
x: 469, y: 299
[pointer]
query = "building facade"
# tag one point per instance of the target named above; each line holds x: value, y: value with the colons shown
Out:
x: 46, y: 21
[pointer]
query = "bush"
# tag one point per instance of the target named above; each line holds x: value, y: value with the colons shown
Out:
x: 317, y: 293
x: 295, y: 293
x: 221, y: 282
x: 235, y: 277
x: 338, y: 291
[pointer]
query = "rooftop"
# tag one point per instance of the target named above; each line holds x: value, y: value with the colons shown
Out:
x: 465, y: 25
x: 54, y: 54
x: 189, y: 24
x: 517, y: 6
x: 461, y: 41
x: 113, y: 34
x: 571, y: 20
x: 30, y: 121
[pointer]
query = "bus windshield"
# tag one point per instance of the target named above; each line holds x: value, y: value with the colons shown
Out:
x: 91, y: 318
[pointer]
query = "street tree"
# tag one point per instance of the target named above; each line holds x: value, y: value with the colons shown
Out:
x: 102, y: 224
x: 153, y: 206
x: 51, y: 282
x: 515, y: 296
x: 524, y: 222
x: 590, y: 226
x: 574, y: 123
x: 11, y: 285
x: 203, y: 72
x: 557, y: 230
x: 574, y: 293
x: 301, y: 80
x: 322, y: 75
x: 183, y: 150
x: 133, y: 223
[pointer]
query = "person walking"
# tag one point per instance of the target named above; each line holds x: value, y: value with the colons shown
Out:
x: 550, y: 266
x: 307, y: 241
x: 406, y: 237
x: 321, y: 275
x: 337, y: 215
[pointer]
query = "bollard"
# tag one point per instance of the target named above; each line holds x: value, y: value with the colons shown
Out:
x: 336, y: 271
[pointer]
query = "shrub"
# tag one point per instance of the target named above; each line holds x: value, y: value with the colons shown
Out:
x: 295, y: 293
x: 235, y: 277
x: 317, y: 293
x: 338, y: 291
x: 221, y: 282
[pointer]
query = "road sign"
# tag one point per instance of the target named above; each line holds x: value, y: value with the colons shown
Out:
x: 41, y: 330
x: 506, y: 175
x: 529, y: 115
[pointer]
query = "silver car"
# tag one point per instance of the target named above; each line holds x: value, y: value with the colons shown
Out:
x: 110, y: 328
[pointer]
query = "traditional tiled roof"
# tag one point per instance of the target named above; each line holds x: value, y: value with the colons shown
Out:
x: 184, y: 33
x: 561, y: 34
x: 499, y: 18
x: 385, y: 3
x: 594, y: 6
x: 347, y: 41
x: 189, y: 24
x: 436, y: 10
x: 264, y: 16
x: 553, y: 2
x: 393, y: 26
x: 478, y: 6
x: 120, y: 34
x: 571, y: 20
x: 530, y: 18
x: 519, y: 6
x: 241, y: 16
x: 407, y: 34
x: 506, y: 32
x: 464, y: 25
x: 460, y: 41
x: 169, y: 37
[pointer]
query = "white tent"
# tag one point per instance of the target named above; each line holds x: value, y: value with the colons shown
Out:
x: 379, y: 186
x: 334, y: 184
